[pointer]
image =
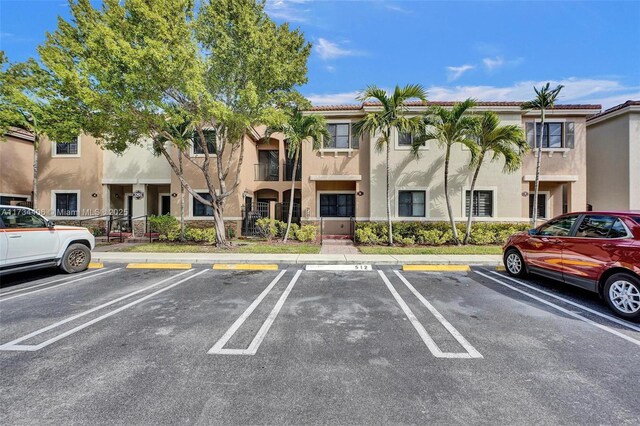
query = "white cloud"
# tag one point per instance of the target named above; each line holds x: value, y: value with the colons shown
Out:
x: 608, y: 93
x: 330, y: 68
x: 330, y: 50
x: 456, y: 72
x: 334, y: 98
x: 287, y: 10
x: 492, y: 64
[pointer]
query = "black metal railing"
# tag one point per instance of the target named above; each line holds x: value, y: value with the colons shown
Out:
x: 267, y: 172
x: 352, y: 228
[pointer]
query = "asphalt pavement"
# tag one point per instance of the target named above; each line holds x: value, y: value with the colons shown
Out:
x: 294, y: 346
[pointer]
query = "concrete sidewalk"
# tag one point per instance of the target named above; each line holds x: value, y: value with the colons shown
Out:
x: 292, y: 259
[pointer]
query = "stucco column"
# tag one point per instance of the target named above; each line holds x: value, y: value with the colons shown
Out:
x: 139, y: 208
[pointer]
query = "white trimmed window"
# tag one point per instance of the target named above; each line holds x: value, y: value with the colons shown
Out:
x: 66, y: 203
x: 342, y: 137
x: 482, y: 203
x: 66, y: 149
x: 210, y: 137
x: 201, y: 210
x: 411, y: 203
x: 556, y: 134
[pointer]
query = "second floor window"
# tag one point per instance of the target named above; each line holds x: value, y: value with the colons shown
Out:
x: 555, y: 135
x: 405, y: 139
x: 67, y: 148
x: 342, y: 137
x: 210, y: 136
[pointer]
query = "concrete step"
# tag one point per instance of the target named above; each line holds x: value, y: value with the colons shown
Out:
x: 333, y: 242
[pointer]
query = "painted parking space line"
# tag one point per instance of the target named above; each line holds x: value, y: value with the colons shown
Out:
x: 245, y: 267
x: 15, y: 346
x: 85, y: 276
x: 159, y: 266
x: 252, y: 349
x: 436, y: 268
x: 339, y: 267
x: 563, y: 310
x: 446, y: 324
x: 66, y: 277
x: 577, y: 305
x: 426, y: 338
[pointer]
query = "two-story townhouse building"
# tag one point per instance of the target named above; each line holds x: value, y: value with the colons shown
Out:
x: 613, y: 158
x: 342, y: 181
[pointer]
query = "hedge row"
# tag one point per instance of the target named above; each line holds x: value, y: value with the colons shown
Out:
x: 435, y: 233
x: 271, y: 228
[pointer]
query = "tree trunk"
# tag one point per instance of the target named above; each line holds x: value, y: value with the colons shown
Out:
x: 446, y: 195
x: 182, y: 238
x: 291, y: 198
x: 467, y: 234
x: 389, y: 224
x: 218, y: 222
x: 534, y: 216
x: 36, y: 148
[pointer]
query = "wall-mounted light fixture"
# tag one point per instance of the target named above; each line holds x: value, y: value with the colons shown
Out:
x: 174, y: 195
x: 94, y: 195
x: 360, y: 193
x: 117, y: 195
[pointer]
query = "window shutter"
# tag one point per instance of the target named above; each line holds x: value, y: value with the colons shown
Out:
x: 569, y: 139
x: 530, y: 130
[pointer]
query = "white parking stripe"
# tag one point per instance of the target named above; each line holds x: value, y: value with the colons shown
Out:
x: 563, y: 310
x: 68, y: 277
x: 426, y: 338
x: 218, y: 348
x: 577, y: 305
x: 10, y: 345
x: 446, y: 324
x: 86, y: 277
x: 93, y: 321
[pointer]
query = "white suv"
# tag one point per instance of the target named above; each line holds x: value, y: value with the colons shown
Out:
x: 29, y: 241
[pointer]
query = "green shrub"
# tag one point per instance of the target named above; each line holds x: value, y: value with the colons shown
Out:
x: 206, y: 235
x: 306, y: 233
x: 482, y: 236
x: 431, y: 237
x: 97, y: 231
x: 405, y: 241
x: 366, y: 235
x: 164, y: 224
x: 267, y: 228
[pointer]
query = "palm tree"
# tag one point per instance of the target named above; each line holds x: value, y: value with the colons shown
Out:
x: 545, y: 98
x: 297, y: 129
x: 391, y: 116
x: 448, y: 127
x: 502, y: 141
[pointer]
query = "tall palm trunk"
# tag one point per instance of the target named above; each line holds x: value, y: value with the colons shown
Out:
x: 389, y: 224
x: 36, y: 148
x: 447, y: 157
x: 534, y: 217
x: 182, y: 238
x: 291, y: 198
x: 467, y: 234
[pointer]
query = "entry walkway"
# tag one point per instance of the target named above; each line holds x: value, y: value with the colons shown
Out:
x: 338, y: 247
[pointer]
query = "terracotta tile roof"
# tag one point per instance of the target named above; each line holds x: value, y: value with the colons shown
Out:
x: 613, y: 109
x: 517, y: 104
x: 21, y: 134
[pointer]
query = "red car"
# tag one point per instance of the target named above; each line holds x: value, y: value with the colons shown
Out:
x: 597, y: 251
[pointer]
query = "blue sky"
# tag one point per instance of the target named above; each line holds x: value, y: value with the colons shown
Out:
x: 490, y: 50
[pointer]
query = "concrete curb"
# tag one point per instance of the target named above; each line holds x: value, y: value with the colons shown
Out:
x: 296, y: 259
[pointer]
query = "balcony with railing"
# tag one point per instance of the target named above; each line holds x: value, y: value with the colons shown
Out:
x: 267, y: 172
x: 288, y: 170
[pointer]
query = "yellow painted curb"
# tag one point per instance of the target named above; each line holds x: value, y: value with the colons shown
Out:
x: 96, y: 265
x: 159, y: 266
x: 500, y: 268
x: 245, y: 267
x: 437, y: 268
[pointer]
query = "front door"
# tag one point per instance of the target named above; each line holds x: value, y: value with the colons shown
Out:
x: 165, y: 204
x: 543, y: 251
x: 129, y: 212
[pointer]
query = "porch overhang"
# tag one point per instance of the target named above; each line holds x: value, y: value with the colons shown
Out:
x: 348, y: 178
x: 551, y: 178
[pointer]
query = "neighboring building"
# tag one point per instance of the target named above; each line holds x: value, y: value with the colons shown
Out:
x: 613, y: 158
x: 16, y: 168
x: 341, y: 182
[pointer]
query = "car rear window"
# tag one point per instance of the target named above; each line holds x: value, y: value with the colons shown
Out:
x: 636, y: 219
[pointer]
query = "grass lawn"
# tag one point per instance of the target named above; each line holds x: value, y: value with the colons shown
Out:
x: 239, y: 247
x: 431, y: 250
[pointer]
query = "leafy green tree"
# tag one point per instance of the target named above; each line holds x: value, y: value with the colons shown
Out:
x: 298, y: 129
x: 497, y: 141
x: 448, y: 127
x: 31, y: 99
x: 544, y: 100
x: 137, y: 67
x: 392, y: 115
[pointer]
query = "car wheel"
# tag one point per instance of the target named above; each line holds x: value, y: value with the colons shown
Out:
x: 622, y: 293
x: 76, y: 258
x: 514, y: 263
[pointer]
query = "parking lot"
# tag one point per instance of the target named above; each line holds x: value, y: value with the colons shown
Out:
x: 290, y: 346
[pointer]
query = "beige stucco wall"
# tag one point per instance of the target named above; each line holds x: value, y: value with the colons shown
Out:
x: 81, y: 173
x: 137, y: 164
x: 608, y: 164
x: 427, y: 173
x: 634, y: 161
x: 16, y: 167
